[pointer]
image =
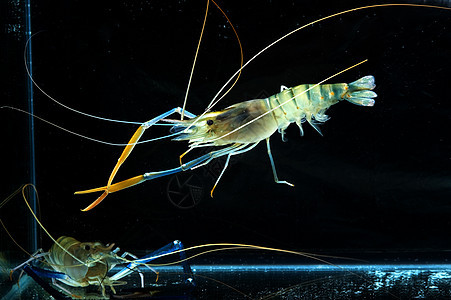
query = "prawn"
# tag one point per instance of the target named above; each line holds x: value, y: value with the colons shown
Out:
x: 239, y: 128
x: 81, y: 264
x: 242, y: 126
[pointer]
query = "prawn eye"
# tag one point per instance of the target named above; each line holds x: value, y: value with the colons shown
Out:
x: 210, y: 122
x: 87, y: 248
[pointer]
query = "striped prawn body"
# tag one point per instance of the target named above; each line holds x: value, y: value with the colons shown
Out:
x: 308, y: 102
x: 255, y: 120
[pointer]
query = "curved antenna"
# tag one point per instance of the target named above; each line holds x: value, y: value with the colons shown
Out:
x: 194, y: 62
x: 130, y: 122
x: 237, y: 246
x: 61, y: 104
x: 214, y: 101
x: 90, y: 138
x: 197, y: 52
x: 241, y: 49
x: 22, y: 188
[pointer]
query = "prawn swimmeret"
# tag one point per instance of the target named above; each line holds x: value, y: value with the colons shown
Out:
x: 240, y: 127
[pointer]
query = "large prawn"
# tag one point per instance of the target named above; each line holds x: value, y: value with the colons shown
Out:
x: 240, y: 127
x: 78, y: 264
x: 81, y: 264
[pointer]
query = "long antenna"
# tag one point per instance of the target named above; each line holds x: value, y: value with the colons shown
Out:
x: 195, y: 59
x: 33, y: 229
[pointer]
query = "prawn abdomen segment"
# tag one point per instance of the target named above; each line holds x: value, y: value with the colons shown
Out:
x: 308, y: 102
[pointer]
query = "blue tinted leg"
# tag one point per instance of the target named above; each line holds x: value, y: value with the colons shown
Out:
x: 169, y: 248
x: 167, y: 114
x: 204, y: 159
x: 238, y: 150
x: 276, y: 179
x: 54, y: 293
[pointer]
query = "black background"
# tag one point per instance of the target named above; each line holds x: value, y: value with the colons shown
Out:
x: 379, y: 179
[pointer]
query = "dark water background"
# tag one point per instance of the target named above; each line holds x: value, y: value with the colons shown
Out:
x: 379, y: 179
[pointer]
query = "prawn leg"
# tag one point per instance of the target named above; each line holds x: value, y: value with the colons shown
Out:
x: 43, y: 273
x: 273, y: 166
x: 206, y: 158
x: 238, y: 151
x: 126, y: 152
x: 175, y: 246
x: 39, y: 253
x: 36, y: 273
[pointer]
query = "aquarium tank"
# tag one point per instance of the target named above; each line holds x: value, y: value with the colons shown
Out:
x: 194, y: 211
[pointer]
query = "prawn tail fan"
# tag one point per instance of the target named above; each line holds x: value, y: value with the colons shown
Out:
x: 360, y: 91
